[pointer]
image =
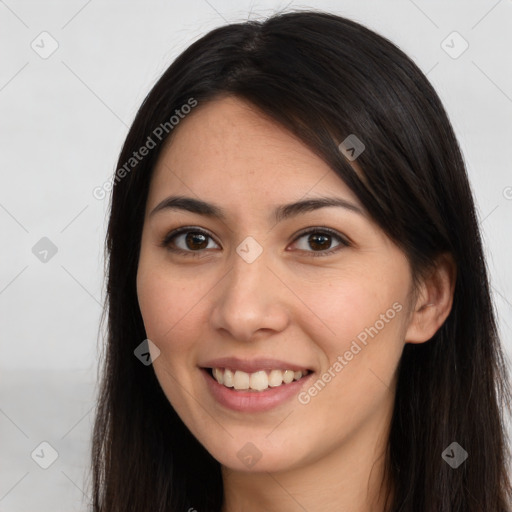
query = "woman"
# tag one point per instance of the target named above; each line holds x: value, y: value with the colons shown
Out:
x: 293, y: 245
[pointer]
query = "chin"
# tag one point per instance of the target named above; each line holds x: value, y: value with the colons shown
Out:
x: 255, y: 456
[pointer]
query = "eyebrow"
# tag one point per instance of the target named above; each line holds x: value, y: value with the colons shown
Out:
x: 281, y: 213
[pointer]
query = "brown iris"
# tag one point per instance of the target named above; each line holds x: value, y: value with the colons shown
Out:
x: 196, y: 238
x: 315, y: 239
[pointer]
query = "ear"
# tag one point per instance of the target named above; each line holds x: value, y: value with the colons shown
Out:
x: 434, y: 301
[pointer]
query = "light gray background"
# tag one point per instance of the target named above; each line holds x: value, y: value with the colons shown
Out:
x: 63, y: 120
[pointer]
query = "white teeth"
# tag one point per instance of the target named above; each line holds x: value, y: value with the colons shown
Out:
x: 219, y: 375
x: 241, y: 380
x: 228, y: 380
x: 275, y: 378
x: 257, y: 381
x: 288, y: 376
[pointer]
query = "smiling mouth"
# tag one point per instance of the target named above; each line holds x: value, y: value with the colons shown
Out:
x: 257, y: 381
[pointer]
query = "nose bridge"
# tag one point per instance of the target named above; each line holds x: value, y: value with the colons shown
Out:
x: 249, y: 299
x: 250, y: 270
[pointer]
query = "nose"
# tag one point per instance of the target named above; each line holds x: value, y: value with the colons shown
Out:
x: 250, y: 301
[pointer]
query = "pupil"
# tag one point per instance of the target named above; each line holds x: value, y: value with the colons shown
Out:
x: 193, y: 237
x: 313, y: 239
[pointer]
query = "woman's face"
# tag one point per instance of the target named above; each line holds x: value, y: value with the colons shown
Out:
x: 272, y: 293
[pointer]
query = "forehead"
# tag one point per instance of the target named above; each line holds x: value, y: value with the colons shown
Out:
x: 228, y: 147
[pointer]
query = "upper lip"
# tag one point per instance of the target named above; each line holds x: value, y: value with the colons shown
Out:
x: 253, y: 365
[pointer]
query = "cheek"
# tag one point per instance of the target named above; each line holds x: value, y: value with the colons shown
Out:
x: 355, y: 306
x: 158, y: 305
x: 170, y: 306
x: 360, y: 336
x: 168, y: 315
x: 361, y: 348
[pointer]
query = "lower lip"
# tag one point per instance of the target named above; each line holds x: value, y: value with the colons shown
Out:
x: 253, y: 401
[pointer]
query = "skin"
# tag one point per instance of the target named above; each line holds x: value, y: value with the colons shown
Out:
x: 327, y: 454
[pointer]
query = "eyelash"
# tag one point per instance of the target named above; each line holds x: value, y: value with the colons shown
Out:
x: 165, y: 243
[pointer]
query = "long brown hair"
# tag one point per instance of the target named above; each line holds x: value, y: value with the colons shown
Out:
x: 322, y: 77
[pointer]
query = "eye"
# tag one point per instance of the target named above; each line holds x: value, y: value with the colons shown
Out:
x: 194, y: 240
x: 321, y: 238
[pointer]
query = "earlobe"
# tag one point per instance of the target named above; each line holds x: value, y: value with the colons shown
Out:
x: 434, y: 301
